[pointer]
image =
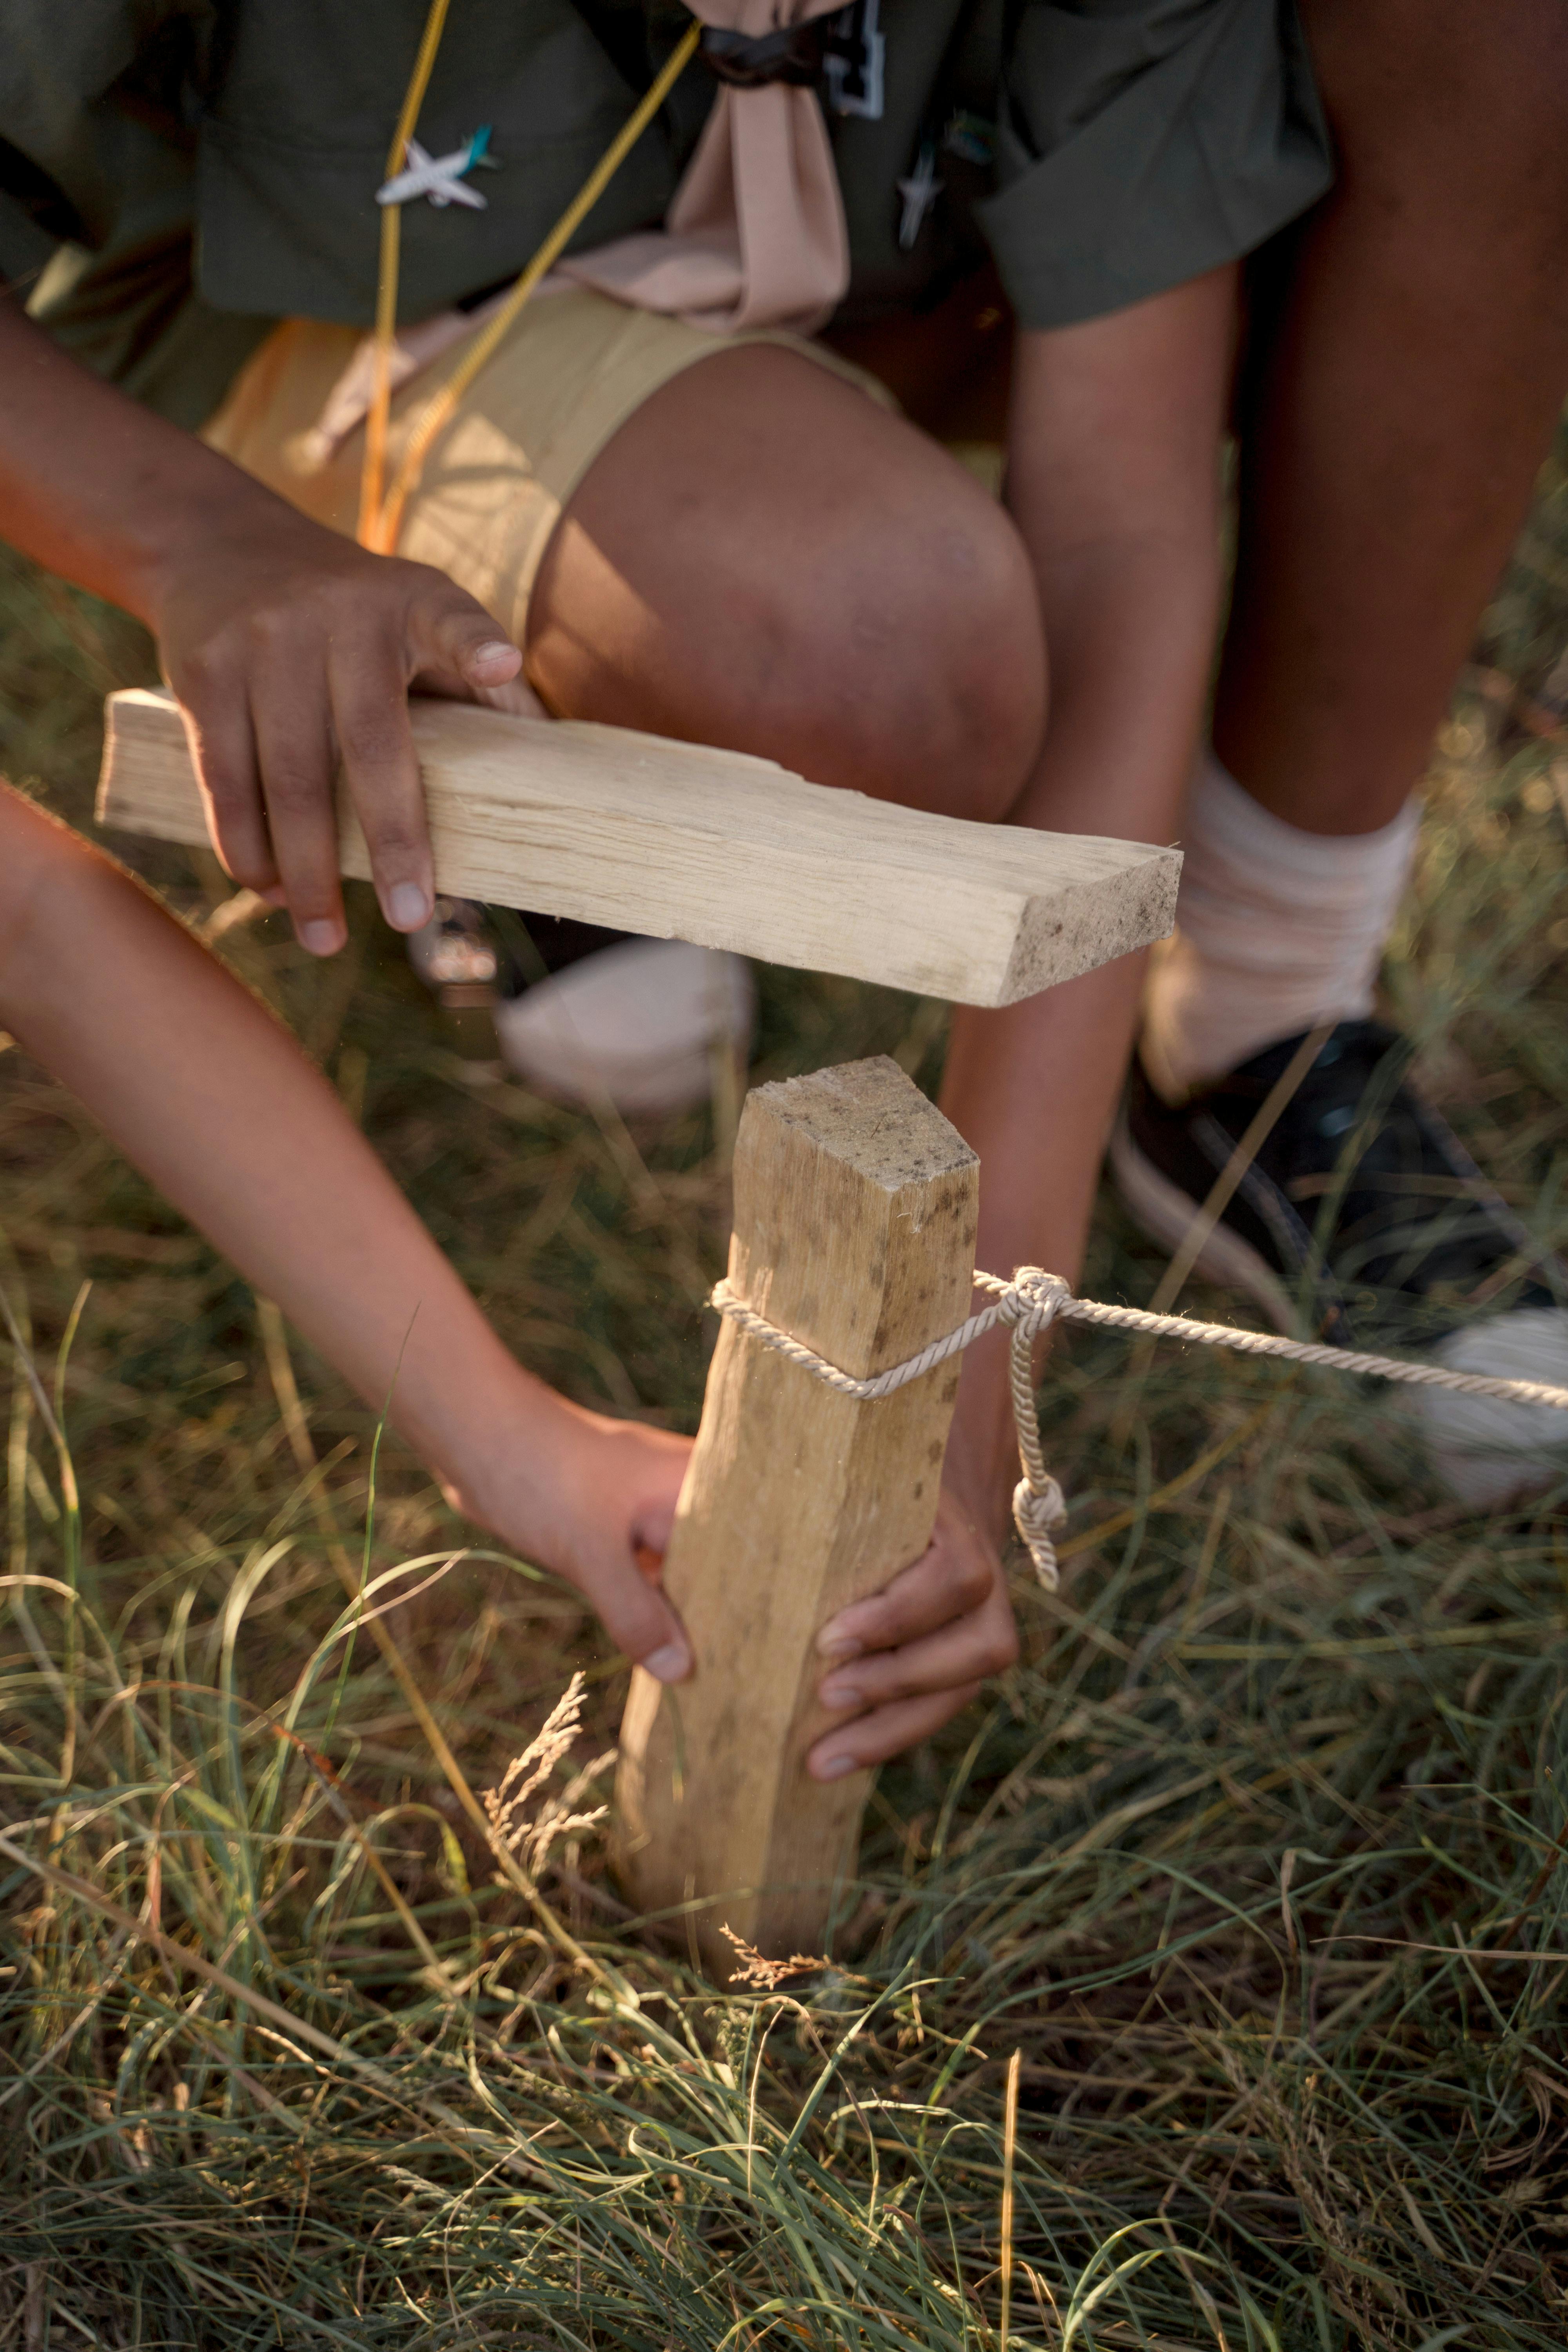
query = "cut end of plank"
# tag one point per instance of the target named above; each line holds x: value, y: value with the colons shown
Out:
x: 1129, y: 908
x: 684, y: 841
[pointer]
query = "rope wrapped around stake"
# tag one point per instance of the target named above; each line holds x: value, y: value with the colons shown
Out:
x: 1028, y: 1306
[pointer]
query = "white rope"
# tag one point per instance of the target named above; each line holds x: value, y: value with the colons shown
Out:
x: 1029, y: 1305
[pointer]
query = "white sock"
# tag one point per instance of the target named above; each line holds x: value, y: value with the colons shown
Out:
x: 1276, y: 930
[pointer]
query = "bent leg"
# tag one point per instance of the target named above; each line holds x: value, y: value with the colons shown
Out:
x: 1402, y: 402
x: 1406, y: 400
x: 1400, y: 398
x: 765, y: 559
x: 1114, y: 477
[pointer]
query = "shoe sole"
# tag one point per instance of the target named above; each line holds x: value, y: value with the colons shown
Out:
x: 1167, y: 1215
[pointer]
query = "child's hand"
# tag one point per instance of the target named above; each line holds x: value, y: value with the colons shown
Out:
x: 909, y: 1657
x: 289, y: 648
x: 602, y: 1521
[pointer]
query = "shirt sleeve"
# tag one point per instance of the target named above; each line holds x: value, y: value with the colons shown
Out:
x: 1142, y: 142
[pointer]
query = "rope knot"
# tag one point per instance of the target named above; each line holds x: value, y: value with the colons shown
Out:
x: 1034, y: 1300
x: 1038, y: 1510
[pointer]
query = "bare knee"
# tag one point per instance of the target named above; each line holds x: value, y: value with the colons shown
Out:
x: 762, y: 558
x: 923, y: 664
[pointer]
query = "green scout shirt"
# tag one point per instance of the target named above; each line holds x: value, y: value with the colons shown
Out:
x: 175, y: 175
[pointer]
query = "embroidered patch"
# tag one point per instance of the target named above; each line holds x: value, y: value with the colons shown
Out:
x: 852, y: 59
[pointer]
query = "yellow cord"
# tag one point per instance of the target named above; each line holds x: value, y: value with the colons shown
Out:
x: 373, y: 473
x: 380, y: 520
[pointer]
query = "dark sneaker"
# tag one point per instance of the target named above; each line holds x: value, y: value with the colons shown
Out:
x: 1363, y: 1221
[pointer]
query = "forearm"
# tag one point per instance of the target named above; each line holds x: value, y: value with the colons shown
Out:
x: 98, y: 488
x: 202, y: 1089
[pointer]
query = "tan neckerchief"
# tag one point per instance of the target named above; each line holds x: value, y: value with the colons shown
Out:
x: 755, y: 234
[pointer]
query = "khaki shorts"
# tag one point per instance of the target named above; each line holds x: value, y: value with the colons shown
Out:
x: 569, y: 374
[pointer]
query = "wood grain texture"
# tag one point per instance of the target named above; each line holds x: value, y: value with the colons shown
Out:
x: 855, y: 1215
x: 683, y: 842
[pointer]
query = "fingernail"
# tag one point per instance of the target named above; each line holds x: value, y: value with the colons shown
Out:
x: 840, y: 1694
x: 834, y: 1769
x: 837, y: 1647
x: 670, y: 1662
x: 321, y: 938
x: 486, y: 657
x: 407, y: 907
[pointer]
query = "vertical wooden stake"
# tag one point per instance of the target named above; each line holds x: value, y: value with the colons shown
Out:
x: 854, y: 1216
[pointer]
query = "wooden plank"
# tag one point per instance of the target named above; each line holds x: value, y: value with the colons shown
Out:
x: 683, y: 842
x: 855, y: 1215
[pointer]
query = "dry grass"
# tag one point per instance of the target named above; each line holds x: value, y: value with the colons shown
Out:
x: 1256, y: 1859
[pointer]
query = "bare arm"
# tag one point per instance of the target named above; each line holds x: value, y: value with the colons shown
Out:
x: 1113, y: 483
x: 287, y: 646
x: 202, y: 1089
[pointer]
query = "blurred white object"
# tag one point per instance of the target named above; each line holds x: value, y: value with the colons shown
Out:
x: 454, y: 949
x: 1484, y: 1450
x: 638, y: 1022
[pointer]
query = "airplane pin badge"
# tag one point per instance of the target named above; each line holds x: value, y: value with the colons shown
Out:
x: 440, y: 177
x: 920, y: 193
